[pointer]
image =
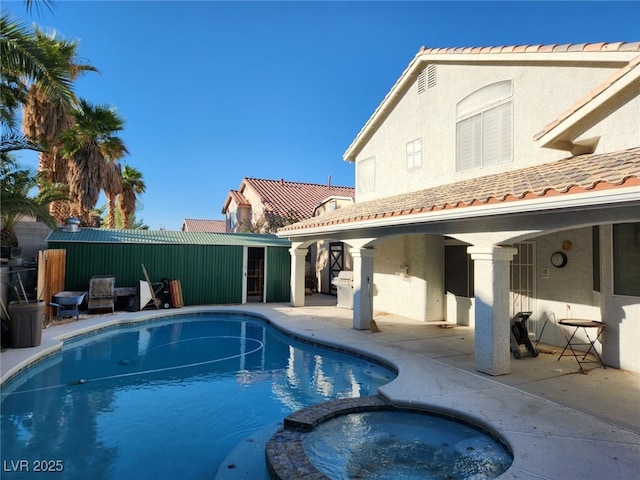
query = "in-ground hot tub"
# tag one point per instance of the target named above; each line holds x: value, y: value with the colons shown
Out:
x: 404, y: 445
x: 370, y: 440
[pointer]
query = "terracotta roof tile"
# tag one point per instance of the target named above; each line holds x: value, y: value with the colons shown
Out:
x: 568, y: 47
x: 575, y: 174
x: 237, y: 197
x: 197, y: 225
x: 283, y: 197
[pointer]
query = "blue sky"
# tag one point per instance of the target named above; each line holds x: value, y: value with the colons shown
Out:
x: 213, y: 92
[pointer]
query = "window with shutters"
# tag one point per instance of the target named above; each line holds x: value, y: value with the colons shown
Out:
x: 414, y: 154
x: 484, y: 127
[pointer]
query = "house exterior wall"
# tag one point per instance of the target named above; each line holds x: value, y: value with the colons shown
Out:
x: 408, y: 277
x: 568, y: 293
x: 622, y: 313
x: 540, y: 93
x: 237, y: 217
x: 257, y: 208
x: 612, y: 137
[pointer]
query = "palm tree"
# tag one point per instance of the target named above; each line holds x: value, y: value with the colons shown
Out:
x: 88, y: 147
x: 132, y: 185
x: 45, y: 117
x: 112, y: 188
x: 16, y: 187
x: 24, y: 61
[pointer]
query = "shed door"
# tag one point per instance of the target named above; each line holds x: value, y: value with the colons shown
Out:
x: 255, y: 274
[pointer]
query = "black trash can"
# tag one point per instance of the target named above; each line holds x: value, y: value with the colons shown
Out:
x: 25, y: 324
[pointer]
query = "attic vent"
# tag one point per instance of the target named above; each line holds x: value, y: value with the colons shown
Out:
x: 427, y: 78
x: 422, y: 81
x: 431, y: 75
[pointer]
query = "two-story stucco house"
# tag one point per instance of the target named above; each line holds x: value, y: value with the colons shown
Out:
x: 262, y: 205
x: 496, y: 180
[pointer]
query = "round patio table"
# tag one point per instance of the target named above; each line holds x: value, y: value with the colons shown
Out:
x: 585, y: 324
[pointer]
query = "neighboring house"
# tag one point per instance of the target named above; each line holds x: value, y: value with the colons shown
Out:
x: 262, y: 206
x: 479, y: 169
x: 197, y: 225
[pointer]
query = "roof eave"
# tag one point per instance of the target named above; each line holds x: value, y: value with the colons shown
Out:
x: 601, y: 198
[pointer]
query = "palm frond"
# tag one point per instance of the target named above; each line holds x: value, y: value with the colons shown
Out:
x: 23, y: 56
x: 14, y: 140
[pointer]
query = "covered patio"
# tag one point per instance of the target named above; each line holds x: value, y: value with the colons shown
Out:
x: 488, y: 216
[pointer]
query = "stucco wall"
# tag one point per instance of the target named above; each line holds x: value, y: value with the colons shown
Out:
x: 621, y: 313
x: 408, y: 277
x: 540, y: 95
x: 564, y: 292
x: 612, y: 115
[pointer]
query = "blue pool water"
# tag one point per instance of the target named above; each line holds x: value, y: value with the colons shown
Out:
x: 400, y: 445
x: 187, y: 397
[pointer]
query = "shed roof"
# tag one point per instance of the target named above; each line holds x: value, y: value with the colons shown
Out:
x: 163, y: 237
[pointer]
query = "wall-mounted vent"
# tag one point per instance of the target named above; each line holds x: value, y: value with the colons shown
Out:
x: 427, y: 78
x: 431, y: 75
x: 422, y: 81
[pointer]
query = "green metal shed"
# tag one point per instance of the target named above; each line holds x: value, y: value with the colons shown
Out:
x: 213, y: 268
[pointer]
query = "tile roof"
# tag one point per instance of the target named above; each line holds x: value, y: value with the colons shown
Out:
x: 571, y: 175
x: 163, y: 237
x: 282, y: 196
x: 552, y: 48
x: 197, y: 225
x: 237, y: 197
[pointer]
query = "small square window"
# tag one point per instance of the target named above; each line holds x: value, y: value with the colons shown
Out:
x: 414, y: 154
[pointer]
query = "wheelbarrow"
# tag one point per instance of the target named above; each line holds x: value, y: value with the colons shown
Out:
x: 68, y: 303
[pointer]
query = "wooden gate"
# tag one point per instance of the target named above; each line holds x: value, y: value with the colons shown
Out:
x: 51, y: 273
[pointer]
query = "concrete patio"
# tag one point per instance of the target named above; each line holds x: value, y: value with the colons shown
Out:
x: 559, y: 422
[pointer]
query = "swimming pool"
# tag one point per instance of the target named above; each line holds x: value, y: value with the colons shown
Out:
x: 184, y: 397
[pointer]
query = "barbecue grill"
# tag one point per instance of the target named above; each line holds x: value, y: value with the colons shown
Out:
x: 344, y: 285
x: 67, y: 303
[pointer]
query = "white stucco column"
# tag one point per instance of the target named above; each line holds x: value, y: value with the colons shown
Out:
x: 298, y: 256
x: 362, y: 287
x: 491, y: 291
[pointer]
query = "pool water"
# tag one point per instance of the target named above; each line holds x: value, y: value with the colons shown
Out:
x: 400, y: 445
x: 169, y: 399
